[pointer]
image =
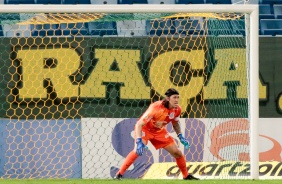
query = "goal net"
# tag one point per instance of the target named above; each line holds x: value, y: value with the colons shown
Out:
x: 74, y: 84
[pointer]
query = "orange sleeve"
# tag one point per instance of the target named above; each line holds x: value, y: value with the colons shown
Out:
x: 177, y: 115
x: 148, y: 114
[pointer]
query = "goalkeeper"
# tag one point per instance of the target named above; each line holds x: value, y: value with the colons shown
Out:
x: 151, y: 126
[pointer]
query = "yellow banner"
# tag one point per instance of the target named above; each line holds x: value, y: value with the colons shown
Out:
x: 215, y: 170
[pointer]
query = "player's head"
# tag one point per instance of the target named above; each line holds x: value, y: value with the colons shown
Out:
x: 171, y: 98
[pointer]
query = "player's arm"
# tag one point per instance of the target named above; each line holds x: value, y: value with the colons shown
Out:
x: 138, y: 127
x: 176, y: 127
x: 145, y: 118
x: 175, y: 122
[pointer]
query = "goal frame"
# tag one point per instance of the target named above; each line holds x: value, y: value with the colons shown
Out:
x: 251, y: 36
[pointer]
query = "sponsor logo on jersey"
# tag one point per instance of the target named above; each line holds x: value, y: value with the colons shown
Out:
x: 171, y: 116
x: 167, y: 135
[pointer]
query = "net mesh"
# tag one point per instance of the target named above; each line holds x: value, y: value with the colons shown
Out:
x: 73, y: 86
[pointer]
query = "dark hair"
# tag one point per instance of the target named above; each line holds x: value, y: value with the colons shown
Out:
x: 171, y: 91
x: 168, y: 93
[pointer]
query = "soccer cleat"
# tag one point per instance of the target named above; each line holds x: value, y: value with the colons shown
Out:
x: 118, y: 176
x: 191, y: 177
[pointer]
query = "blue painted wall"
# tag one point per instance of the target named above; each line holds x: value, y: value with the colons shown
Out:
x: 40, y: 148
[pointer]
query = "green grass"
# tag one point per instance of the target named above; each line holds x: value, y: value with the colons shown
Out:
x: 132, y: 181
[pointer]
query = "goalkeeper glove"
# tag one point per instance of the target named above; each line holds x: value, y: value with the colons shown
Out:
x: 184, y: 141
x: 140, y: 146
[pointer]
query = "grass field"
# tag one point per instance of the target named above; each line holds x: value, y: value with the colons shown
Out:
x: 133, y: 181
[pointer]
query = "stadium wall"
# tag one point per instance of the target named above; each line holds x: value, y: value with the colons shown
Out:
x: 13, y: 107
x: 14, y: 83
x: 105, y: 142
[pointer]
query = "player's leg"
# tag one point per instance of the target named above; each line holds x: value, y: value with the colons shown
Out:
x: 180, y: 160
x: 131, y: 157
x: 179, y: 157
x: 164, y: 140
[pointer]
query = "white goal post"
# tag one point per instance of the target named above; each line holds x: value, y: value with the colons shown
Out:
x: 251, y: 36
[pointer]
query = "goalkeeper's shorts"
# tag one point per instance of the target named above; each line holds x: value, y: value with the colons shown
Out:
x: 159, y: 139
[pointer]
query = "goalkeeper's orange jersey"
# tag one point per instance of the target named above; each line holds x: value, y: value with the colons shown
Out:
x: 157, y: 116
